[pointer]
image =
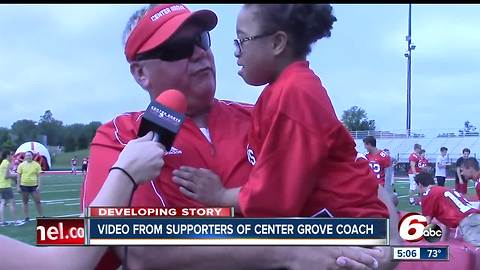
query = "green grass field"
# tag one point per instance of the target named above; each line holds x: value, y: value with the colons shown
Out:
x: 402, y: 186
x: 60, y: 196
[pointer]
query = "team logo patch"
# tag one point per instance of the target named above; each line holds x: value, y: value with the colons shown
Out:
x: 174, y: 151
x: 251, y: 156
x: 360, y: 156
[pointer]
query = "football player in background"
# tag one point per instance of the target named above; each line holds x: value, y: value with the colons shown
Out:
x: 461, y: 184
x: 448, y: 207
x: 423, y: 162
x: 414, y: 169
x: 471, y: 170
x: 378, y: 160
x: 390, y: 173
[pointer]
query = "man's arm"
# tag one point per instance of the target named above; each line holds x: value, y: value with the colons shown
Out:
x: 143, y: 159
x: 239, y: 258
x: 46, y: 257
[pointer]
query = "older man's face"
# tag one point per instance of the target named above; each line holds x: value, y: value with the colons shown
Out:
x: 194, y: 76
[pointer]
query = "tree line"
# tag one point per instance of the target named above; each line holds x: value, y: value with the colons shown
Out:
x: 70, y: 137
x: 355, y: 119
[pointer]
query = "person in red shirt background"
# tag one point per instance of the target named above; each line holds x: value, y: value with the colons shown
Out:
x: 470, y: 170
x: 304, y: 161
x: 378, y: 159
x: 413, y: 160
x: 449, y: 207
x: 423, y: 162
x: 173, y: 51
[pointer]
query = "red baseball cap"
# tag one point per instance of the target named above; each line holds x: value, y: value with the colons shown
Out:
x: 160, y: 23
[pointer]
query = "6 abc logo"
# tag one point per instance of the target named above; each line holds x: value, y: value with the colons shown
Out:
x: 413, y: 227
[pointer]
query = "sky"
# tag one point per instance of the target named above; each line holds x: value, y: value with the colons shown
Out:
x: 69, y: 59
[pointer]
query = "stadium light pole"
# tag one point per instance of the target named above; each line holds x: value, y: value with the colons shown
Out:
x: 408, y: 55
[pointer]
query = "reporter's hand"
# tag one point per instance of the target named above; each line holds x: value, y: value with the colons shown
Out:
x: 200, y: 184
x: 142, y: 158
x: 385, y: 260
x: 352, y: 258
x: 357, y: 258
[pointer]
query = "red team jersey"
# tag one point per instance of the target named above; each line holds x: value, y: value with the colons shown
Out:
x: 446, y: 205
x: 228, y: 124
x: 303, y: 158
x: 378, y: 162
x: 422, y: 163
x: 415, y: 158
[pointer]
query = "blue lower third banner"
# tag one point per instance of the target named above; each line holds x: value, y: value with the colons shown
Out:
x: 238, y: 231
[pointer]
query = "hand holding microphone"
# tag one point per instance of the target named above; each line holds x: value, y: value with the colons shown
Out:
x: 142, y: 158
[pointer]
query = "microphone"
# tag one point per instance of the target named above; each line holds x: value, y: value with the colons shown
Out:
x: 164, y: 116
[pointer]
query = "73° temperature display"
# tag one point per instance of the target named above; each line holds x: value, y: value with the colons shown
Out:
x: 420, y: 253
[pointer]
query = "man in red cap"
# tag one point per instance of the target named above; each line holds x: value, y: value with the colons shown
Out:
x: 168, y: 47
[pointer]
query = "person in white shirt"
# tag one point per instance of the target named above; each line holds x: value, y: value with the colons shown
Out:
x: 441, y: 166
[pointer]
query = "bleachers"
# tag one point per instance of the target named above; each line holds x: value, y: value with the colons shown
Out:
x: 400, y: 148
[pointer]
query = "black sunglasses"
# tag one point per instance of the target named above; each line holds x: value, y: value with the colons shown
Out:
x: 177, y: 49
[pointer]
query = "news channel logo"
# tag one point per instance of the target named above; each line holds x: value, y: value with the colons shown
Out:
x: 414, y: 227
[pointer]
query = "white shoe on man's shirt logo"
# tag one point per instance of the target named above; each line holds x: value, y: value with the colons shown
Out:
x: 174, y: 151
x: 251, y: 156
